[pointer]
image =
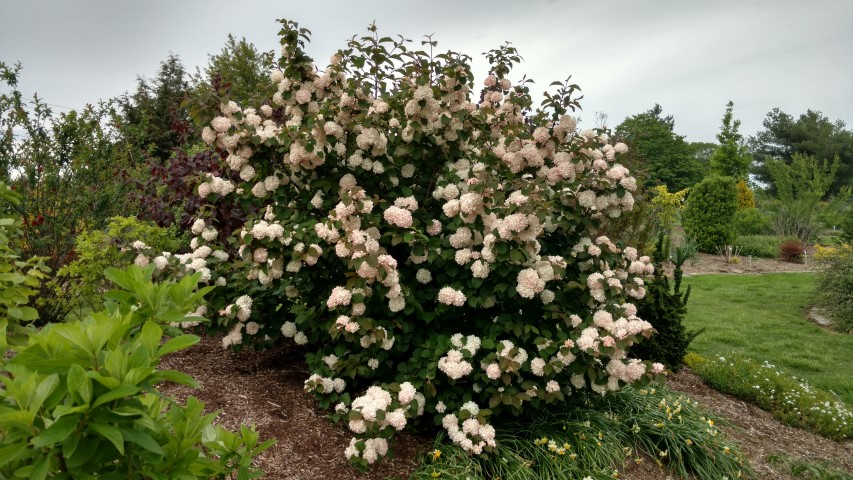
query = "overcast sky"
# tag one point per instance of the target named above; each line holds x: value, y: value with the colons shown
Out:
x: 689, y: 56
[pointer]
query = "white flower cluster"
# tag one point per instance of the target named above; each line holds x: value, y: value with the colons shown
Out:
x: 474, y: 436
x: 377, y: 409
x: 323, y: 384
x: 374, y: 449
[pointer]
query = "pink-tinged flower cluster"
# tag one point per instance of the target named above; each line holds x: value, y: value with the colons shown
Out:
x: 451, y: 296
x: 398, y: 217
x: 340, y: 296
x: 454, y: 365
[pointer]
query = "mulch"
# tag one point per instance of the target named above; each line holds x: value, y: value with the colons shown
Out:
x: 265, y: 389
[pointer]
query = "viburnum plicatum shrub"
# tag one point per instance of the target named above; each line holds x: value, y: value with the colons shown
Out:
x: 435, y: 243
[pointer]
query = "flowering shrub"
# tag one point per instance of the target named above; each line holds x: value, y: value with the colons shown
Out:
x: 442, y: 256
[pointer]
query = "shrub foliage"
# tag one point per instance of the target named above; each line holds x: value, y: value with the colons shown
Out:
x: 441, y: 254
x: 81, y: 397
x: 835, y: 287
x: 710, y: 211
x: 760, y: 246
x: 792, y: 251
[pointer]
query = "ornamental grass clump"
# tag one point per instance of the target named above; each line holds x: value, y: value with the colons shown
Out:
x: 598, y: 437
x: 434, y: 241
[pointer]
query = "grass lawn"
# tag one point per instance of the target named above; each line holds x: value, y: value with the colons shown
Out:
x: 761, y: 317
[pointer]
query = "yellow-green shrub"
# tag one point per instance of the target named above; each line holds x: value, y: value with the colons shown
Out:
x: 745, y: 197
x: 78, y: 286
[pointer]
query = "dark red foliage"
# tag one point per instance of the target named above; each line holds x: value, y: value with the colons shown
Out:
x: 169, y: 194
x: 792, y: 251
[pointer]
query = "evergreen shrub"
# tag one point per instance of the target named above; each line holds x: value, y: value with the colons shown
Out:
x: 709, y: 213
x: 665, y: 308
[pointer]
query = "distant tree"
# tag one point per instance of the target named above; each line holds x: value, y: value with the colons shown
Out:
x: 240, y: 70
x: 65, y: 166
x: 800, y: 186
x: 811, y: 134
x: 667, y: 158
x: 731, y: 158
x: 153, y: 119
x: 702, y: 152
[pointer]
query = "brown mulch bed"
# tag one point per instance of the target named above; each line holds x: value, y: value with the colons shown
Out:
x: 265, y: 389
x: 706, y: 263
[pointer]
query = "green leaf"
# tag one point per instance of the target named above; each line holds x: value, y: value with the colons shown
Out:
x: 150, y: 335
x: 120, y: 392
x: 11, y: 452
x: 110, y: 433
x: 79, y: 383
x: 142, y: 439
x: 45, y: 388
x: 57, y: 432
x: 178, y: 377
x: 178, y: 343
x: 28, y: 314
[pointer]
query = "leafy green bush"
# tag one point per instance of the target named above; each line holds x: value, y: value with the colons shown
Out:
x: 19, y: 280
x: 66, y: 166
x: 709, y: 213
x: 82, y: 397
x: 792, y: 401
x: 594, y: 436
x: 665, y: 310
x: 752, y: 221
x: 835, y: 288
x: 79, y: 285
x: 760, y: 246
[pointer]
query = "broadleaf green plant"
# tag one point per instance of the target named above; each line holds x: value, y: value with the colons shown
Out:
x: 81, y: 398
x: 19, y: 280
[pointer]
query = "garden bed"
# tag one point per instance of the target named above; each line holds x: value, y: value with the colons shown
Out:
x: 706, y: 263
x: 266, y: 389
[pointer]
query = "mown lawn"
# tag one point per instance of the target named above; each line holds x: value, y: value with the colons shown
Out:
x: 761, y: 317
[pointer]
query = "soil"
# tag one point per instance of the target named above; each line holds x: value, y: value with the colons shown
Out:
x: 265, y: 389
x: 706, y: 263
